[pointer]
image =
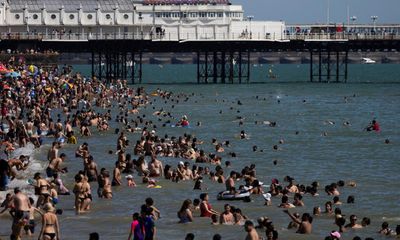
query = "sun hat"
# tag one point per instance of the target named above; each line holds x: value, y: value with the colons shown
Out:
x: 267, y: 196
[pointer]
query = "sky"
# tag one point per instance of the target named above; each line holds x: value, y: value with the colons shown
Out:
x: 315, y: 11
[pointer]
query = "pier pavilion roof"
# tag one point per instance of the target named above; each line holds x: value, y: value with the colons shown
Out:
x: 71, y: 5
x: 181, y: 2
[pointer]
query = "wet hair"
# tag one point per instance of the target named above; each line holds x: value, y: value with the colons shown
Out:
x: 217, y: 237
x: 149, y: 201
x: 249, y: 223
x: 94, y: 236
x: 335, y: 199
x: 340, y: 183
x: 365, y: 221
x: 189, y: 236
x: 385, y: 225
x: 214, y: 218
x: 196, y: 202
x: 37, y: 175
x: 135, y: 216
x: 203, y: 196
x: 357, y: 238
x: 78, y: 178
x: 350, y: 199
x: 307, y: 217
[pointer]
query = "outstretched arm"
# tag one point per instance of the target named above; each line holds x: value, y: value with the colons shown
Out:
x: 292, y: 217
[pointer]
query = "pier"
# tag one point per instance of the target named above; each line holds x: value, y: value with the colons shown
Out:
x: 117, y: 33
x: 218, y: 61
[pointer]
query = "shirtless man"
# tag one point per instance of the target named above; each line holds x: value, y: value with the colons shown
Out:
x: 53, y: 151
x: 29, y: 127
x: 230, y: 182
x: 19, y: 164
x: 305, y: 226
x: 91, y: 169
x: 292, y: 188
x: 21, y: 215
x: 82, y: 150
x: 155, y: 167
x: 188, y: 174
x: 227, y: 217
x: 68, y: 127
x: 117, y: 175
x: 353, y: 223
x: 251, y: 231
x: 55, y: 165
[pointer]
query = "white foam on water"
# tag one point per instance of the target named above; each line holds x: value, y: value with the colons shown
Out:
x: 391, y: 219
x: 20, y: 181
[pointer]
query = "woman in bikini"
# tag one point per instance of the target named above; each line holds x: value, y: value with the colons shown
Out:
x: 50, y: 227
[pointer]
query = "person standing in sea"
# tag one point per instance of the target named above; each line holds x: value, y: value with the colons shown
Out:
x: 21, y: 213
x: 251, y: 231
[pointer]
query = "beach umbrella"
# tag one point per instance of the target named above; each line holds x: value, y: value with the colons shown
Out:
x: 13, y: 74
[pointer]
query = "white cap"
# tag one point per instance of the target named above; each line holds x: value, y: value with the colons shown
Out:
x: 181, y: 163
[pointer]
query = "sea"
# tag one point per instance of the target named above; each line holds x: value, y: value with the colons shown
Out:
x: 323, y: 150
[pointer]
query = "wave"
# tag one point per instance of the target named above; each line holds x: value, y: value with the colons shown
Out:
x: 20, y: 181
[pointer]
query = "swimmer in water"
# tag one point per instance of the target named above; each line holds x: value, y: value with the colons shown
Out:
x: 373, y: 126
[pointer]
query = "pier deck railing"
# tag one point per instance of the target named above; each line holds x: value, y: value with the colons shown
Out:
x: 194, y: 37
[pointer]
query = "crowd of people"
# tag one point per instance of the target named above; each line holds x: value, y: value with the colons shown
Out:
x: 30, y: 107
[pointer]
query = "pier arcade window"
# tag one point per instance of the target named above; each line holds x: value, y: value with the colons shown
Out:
x: 17, y: 16
x: 126, y: 16
x: 53, y: 16
x: 71, y: 16
x: 189, y: 15
x: 89, y: 16
x: 35, y: 16
x: 108, y: 16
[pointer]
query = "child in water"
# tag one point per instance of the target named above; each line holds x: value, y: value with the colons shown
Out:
x: 130, y: 181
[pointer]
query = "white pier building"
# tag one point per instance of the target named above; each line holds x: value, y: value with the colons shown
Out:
x: 132, y: 19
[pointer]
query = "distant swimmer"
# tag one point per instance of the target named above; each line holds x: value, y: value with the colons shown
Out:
x: 183, y: 122
x: 243, y: 135
x: 271, y: 124
x: 373, y: 126
x: 330, y: 122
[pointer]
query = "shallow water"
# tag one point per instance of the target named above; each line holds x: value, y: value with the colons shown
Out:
x: 346, y: 153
